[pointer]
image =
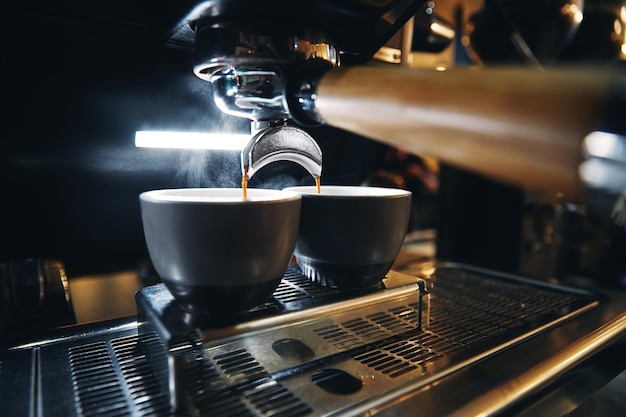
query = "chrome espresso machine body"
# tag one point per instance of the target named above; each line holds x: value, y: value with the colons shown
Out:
x: 520, y: 311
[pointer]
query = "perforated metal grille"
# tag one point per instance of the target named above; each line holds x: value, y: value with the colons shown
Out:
x: 495, y: 304
x: 372, y: 327
x: 468, y: 310
x: 114, y: 379
x: 98, y: 389
x: 261, y: 397
x: 235, y: 384
x: 141, y: 385
x: 296, y: 287
x: 469, y: 313
x: 397, y: 357
x: 239, y: 365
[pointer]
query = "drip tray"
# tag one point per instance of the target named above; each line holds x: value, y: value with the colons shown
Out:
x: 304, y: 328
x: 310, y: 351
x: 332, y: 356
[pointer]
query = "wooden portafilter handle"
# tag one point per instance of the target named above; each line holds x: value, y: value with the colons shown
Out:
x: 520, y: 126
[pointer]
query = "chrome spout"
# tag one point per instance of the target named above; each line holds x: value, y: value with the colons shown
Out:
x: 280, y: 143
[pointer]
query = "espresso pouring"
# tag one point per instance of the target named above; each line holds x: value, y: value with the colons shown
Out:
x: 244, y: 182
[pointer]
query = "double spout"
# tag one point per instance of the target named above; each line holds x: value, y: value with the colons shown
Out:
x: 280, y: 143
x: 258, y: 93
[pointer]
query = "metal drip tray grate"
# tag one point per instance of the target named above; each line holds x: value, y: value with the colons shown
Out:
x: 296, y: 288
x: 114, y: 379
x: 311, y: 354
x: 304, y: 326
x: 325, y: 359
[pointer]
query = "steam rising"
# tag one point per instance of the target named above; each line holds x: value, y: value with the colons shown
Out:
x: 208, y: 169
x: 220, y: 168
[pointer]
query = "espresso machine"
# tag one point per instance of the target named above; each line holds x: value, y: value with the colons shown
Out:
x: 518, y: 310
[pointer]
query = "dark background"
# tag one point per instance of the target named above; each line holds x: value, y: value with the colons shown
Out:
x: 77, y: 82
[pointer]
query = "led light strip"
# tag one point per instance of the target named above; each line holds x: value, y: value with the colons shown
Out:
x: 190, y: 140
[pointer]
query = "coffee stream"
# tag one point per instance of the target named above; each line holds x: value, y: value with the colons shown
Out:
x: 244, y: 182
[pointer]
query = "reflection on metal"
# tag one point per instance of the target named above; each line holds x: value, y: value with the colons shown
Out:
x: 376, y: 336
x: 496, y: 400
x: 442, y: 30
x: 406, y: 48
x: 281, y: 143
x: 422, y: 37
x: 256, y: 91
x: 389, y: 55
x: 492, y: 337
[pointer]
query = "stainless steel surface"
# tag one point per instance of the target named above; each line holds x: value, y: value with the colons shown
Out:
x: 255, y: 92
x: 281, y: 143
x: 301, y: 311
x: 498, y: 399
x: 215, y: 49
x: 502, y: 344
x: 567, y: 382
x: 355, y: 28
